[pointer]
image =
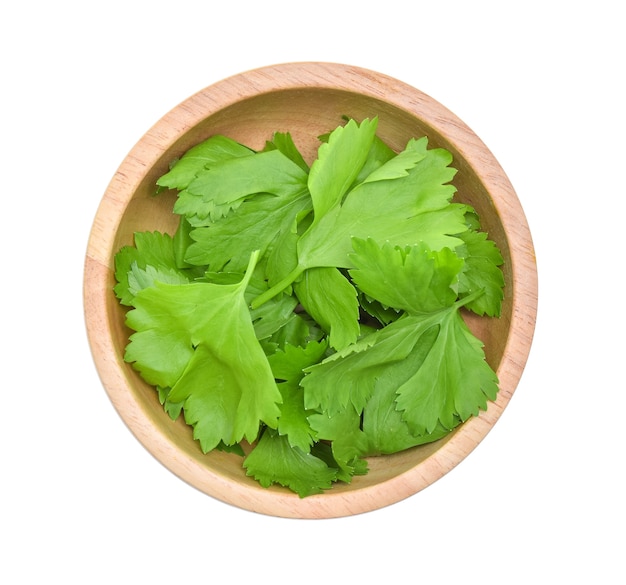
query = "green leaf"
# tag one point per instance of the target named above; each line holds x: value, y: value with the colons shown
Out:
x: 139, y: 278
x: 413, y: 279
x: 151, y: 249
x: 199, y: 340
x: 398, y: 166
x: 282, y: 255
x: 416, y: 280
x: 482, y: 272
x: 273, y: 316
x: 428, y: 357
x: 387, y: 433
x: 237, y: 449
x: 283, y: 141
x: 349, y: 377
x: 213, y: 150
x: 348, y: 443
x: 222, y: 187
x: 374, y: 313
x: 383, y: 424
x: 338, y: 163
x: 454, y: 380
x: 289, y: 362
x: 378, y: 155
x: 173, y: 409
x: 331, y: 300
x: 274, y: 461
x: 181, y: 241
x: 227, y: 244
x: 287, y: 366
x: 404, y: 210
x: 298, y: 331
x: 293, y: 420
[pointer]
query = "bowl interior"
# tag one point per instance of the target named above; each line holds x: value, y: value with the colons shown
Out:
x: 130, y: 205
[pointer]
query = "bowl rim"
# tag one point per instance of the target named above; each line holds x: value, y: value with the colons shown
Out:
x: 159, y: 138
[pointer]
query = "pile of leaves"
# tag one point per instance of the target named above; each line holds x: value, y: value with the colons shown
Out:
x: 308, y: 317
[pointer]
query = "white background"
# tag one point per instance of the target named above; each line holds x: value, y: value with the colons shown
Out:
x: 541, y: 500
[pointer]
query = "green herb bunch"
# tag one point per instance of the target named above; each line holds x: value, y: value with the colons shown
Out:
x: 308, y: 317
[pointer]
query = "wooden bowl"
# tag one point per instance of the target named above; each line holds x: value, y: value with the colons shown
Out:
x: 306, y: 99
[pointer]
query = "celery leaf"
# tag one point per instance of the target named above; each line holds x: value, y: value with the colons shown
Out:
x: 222, y: 187
x: 449, y: 381
x: 199, y: 340
x: 274, y: 461
x: 209, y: 152
x: 329, y: 297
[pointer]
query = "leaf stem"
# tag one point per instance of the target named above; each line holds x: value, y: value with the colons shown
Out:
x: 254, y: 257
x: 470, y: 297
x: 281, y: 285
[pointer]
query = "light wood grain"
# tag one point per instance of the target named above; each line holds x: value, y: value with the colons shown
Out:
x: 307, y: 99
